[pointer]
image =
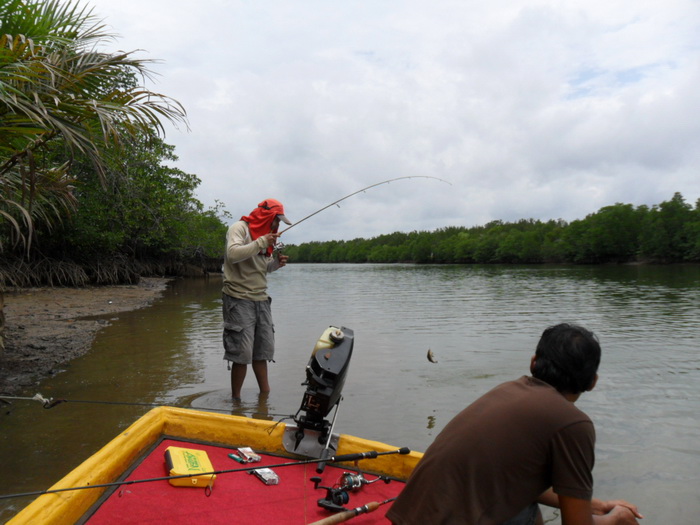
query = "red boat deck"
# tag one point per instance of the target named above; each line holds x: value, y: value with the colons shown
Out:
x: 236, y: 497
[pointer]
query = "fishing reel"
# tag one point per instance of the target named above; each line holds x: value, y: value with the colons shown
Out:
x: 335, y: 498
x: 339, y: 495
x: 353, y: 482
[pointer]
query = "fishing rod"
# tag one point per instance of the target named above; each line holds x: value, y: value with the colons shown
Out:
x: 346, y: 515
x: 335, y: 203
x: 50, y: 402
x: 335, y: 459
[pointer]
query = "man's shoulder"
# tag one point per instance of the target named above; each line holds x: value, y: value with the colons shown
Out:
x: 528, y: 383
x: 539, y: 396
x: 239, y: 225
x: 238, y: 229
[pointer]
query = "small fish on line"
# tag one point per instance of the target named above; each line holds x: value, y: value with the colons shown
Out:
x: 431, y: 356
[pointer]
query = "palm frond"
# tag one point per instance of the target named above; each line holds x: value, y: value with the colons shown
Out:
x: 54, y: 82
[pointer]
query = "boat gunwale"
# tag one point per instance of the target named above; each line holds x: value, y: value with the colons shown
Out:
x: 110, y: 463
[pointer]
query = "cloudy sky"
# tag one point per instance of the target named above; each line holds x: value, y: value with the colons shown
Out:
x: 537, y: 109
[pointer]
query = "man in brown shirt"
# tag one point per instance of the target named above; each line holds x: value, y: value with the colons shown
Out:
x: 522, y: 443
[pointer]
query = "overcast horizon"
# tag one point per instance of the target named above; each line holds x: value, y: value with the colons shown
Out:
x: 531, y: 110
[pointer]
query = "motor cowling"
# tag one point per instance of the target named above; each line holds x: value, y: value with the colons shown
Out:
x: 325, y: 376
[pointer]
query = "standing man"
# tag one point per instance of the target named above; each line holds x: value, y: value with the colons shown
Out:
x: 521, y: 444
x: 249, y: 336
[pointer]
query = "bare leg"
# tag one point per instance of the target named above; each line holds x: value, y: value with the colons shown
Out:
x: 260, y: 370
x: 237, y: 376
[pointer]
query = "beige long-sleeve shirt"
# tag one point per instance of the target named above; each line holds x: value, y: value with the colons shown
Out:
x: 246, y: 264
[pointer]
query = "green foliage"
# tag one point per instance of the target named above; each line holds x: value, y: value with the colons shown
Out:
x: 621, y: 233
x: 83, y: 171
x: 56, y: 87
x: 668, y: 231
x: 141, y: 208
x: 610, y: 235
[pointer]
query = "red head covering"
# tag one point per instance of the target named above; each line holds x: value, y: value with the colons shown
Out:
x: 261, y: 218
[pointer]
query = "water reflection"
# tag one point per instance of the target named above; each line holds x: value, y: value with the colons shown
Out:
x: 257, y: 406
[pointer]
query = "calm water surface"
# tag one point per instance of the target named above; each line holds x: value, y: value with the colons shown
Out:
x: 482, y: 323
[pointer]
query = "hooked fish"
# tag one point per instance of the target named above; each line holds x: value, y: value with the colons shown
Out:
x: 431, y: 356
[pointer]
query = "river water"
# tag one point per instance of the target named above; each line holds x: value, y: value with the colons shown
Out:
x: 482, y: 324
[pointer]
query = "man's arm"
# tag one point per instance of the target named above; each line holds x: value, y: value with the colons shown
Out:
x: 591, y: 512
x: 239, y: 246
x: 276, y: 263
x: 549, y: 498
x: 575, y: 511
x: 601, y: 507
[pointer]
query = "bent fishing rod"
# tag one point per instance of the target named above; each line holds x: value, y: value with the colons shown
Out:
x: 335, y: 203
x: 334, y: 459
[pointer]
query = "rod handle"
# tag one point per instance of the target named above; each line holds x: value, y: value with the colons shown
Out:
x: 367, y: 455
x: 344, y: 516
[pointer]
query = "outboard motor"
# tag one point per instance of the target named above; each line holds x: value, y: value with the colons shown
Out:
x: 325, y: 378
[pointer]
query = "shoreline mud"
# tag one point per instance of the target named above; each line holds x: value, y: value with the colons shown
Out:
x: 48, y: 327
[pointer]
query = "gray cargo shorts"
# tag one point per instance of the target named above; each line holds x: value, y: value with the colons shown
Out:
x: 249, y: 334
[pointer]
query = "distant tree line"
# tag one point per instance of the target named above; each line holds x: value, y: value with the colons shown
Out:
x: 622, y: 233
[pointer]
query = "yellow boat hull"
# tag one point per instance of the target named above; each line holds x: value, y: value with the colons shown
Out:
x: 115, y: 458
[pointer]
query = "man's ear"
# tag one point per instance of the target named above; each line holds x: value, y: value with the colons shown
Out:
x: 532, y: 363
x: 593, y: 383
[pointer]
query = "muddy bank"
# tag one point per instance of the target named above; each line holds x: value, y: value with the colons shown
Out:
x: 47, y: 327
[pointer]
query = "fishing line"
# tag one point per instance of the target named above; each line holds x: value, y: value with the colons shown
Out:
x: 51, y: 402
x: 334, y: 459
x: 334, y: 203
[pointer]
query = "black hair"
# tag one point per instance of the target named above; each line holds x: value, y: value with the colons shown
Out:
x: 567, y: 358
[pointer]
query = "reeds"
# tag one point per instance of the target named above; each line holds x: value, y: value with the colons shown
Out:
x: 46, y: 272
x: 18, y: 273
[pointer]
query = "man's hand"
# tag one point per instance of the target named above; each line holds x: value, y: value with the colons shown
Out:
x: 283, y: 260
x: 576, y: 511
x: 621, y: 515
x: 600, y: 507
x: 270, y: 238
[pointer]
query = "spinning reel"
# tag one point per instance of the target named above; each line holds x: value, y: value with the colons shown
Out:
x: 339, y: 495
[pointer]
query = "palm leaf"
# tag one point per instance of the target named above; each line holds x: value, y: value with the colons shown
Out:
x: 54, y: 83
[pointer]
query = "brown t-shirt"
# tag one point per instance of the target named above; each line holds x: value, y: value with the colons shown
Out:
x: 498, y: 455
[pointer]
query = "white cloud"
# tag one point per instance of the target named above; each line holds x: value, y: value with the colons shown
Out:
x: 534, y: 109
